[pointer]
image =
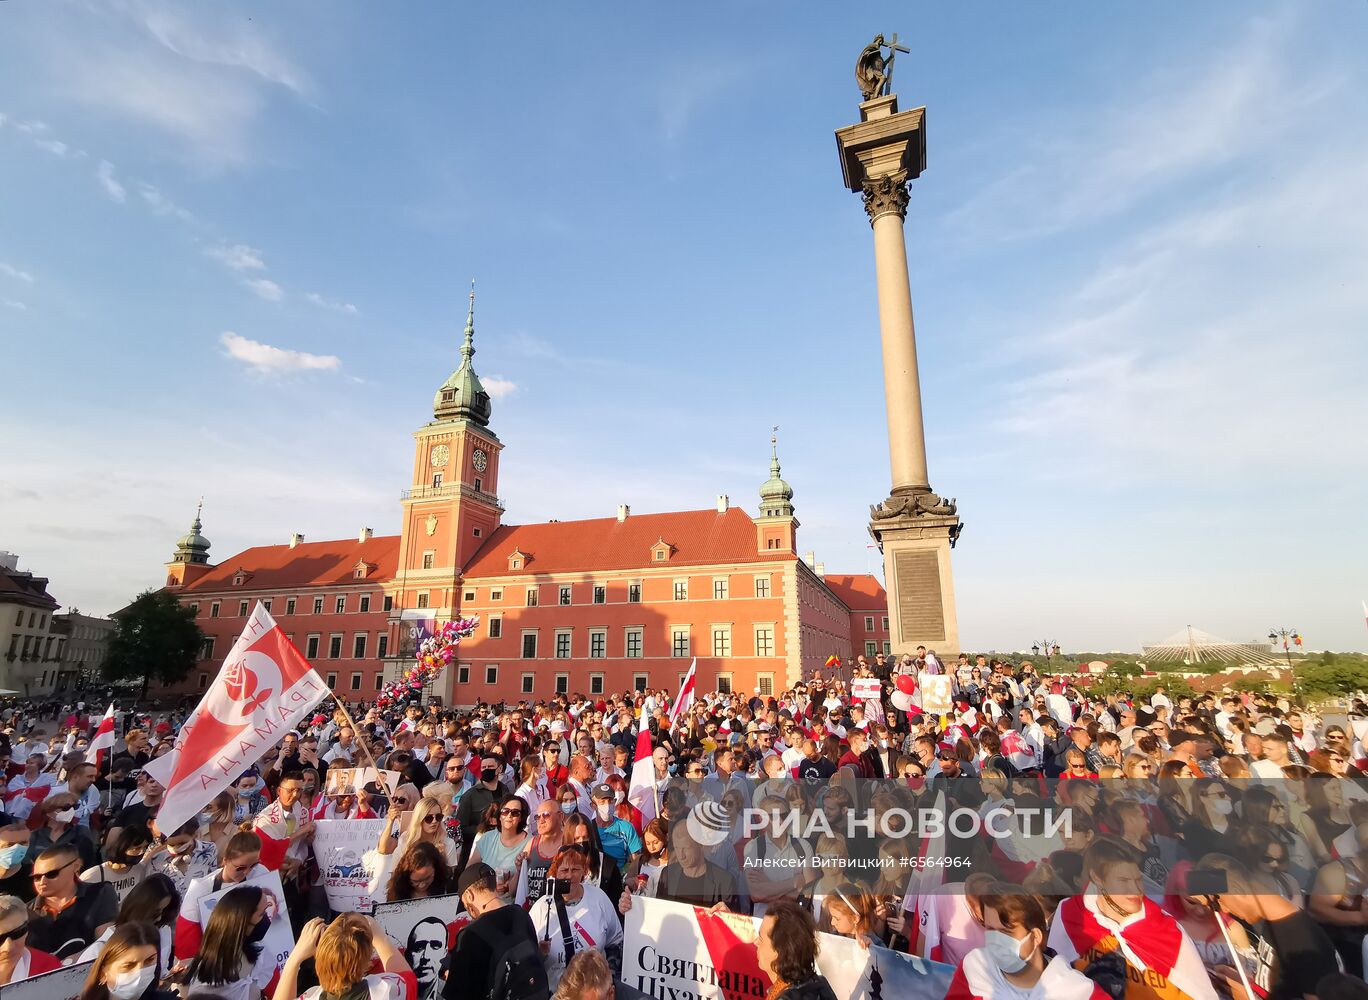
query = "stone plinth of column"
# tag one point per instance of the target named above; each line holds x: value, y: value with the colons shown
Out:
x: 914, y: 528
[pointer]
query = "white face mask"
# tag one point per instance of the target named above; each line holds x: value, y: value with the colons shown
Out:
x: 64, y: 815
x: 604, y: 811
x: 1222, y: 807
x: 1005, y: 951
x: 619, y: 797
x: 129, y: 985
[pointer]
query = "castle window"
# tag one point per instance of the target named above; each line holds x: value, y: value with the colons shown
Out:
x: 341, y: 605
x: 479, y: 485
x: 600, y: 595
x: 762, y: 588
x: 422, y: 598
x: 318, y: 606
x: 634, y: 593
x: 495, y: 626
x: 436, y: 480
x: 365, y: 603
x: 565, y: 595
x: 242, y: 609
x: 428, y: 559
x: 289, y: 605
x: 382, y: 646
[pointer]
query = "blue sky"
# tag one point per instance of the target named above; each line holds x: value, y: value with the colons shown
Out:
x: 236, y: 241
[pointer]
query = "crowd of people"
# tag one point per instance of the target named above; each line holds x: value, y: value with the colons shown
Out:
x: 1209, y: 845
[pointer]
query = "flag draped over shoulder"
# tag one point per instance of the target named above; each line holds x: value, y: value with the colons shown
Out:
x: 1152, y: 943
x: 924, y: 935
x: 265, y: 688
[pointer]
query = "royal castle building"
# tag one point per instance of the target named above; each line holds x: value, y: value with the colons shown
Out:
x: 592, y: 607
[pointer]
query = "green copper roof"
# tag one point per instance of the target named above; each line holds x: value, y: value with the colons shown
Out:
x: 462, y: 396
x: 776, y: 496
x: 193, y: 547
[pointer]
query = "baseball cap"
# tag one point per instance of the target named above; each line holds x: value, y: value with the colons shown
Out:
x: 319, y: 719
x: 602, y: 791
x: 476, y: 874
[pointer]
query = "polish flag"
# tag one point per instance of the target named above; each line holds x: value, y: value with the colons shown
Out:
x: 265, y: 688
x: 686, y: 694
x: 104, y: 737
x: 924, y: 934
x: 641, y: 792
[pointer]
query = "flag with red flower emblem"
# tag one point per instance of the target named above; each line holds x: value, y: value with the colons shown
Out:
x: 265, y: 688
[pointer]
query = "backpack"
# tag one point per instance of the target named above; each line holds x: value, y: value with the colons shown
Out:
x: 520, y: 970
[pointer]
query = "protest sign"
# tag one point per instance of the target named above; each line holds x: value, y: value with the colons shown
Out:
x: 936, y: 694
x: 351, y: 780
x: 339, y: 846
x: 59, y: 984
x: 279, y: 940
x: 424, y: 930
x: 862, y: 688
x: 671, y: 949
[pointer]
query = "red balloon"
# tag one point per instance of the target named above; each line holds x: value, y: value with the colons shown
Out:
x: 906, y: 684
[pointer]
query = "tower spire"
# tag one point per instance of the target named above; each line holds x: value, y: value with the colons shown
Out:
x: 468, y: 348
x: 193, y: 547
x: 776, y: 496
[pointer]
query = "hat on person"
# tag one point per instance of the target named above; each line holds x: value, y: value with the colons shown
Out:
x: 557, y: 727
x: 1265, y: 727
x: 602, y: 791
x: 163, y: 727
x: 477, y: 874
x: 318, y: 719
x: 752, y: 727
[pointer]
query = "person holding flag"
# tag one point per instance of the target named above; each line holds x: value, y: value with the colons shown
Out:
x: 103, y: 740
x: 685, y: 700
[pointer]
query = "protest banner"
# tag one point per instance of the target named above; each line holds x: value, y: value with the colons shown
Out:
x: 279, y: 940
x: 59, y: 984
x: 339, y: 846
x: 424, y: 930
x: 672, y: 949
x: 862, y: 688
x: 936, y: 693
x: 351, y: 780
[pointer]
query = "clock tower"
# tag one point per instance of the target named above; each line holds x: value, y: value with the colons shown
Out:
x: 451, y: 507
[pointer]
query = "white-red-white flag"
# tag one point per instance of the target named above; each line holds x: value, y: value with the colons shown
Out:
x: 104, y: 737
x: 265, y: 688
x: 641, y: 791
x: 922, y: 898
x: 686, y: 694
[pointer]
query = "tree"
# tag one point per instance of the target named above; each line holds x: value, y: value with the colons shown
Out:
x: 1333, y: 675
x: 155, y: 638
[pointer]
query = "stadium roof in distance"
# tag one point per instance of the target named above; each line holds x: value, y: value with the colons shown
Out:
x: 1192, y: 645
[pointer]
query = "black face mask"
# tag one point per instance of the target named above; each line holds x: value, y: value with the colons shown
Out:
x: 488, y: 774
x: 560, y: 887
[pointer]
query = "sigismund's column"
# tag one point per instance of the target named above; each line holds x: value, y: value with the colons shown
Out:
x: 914, y: 528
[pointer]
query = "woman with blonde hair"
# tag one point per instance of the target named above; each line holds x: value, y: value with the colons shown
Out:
x: 17, y: 960
x: 425, y: 825
x: 587, y: 977
x: 533, y: 790
x: 218, y: 822
x: 343, y: 954
x: 128, y: 966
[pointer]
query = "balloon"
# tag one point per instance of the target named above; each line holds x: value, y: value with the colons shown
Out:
x: 901, y: 700
x: 906, y: 683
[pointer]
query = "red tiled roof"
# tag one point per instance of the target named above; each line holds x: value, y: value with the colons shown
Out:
x: 698, y: 538
x: 859, y: 592
x: 308, y: 564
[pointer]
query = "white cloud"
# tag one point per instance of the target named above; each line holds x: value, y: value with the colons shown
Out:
x: 265, y: 288
x: 54, y: 146
x: 10, y: 271
x: 238, y: 257
x: 324, y: 303
x: 162, y: 205
x: 227, y: 44
x: 30, y: 127
x: 13, y: 304
x: 497, y: 387
x: 263, y: 359
x: 104, y: 173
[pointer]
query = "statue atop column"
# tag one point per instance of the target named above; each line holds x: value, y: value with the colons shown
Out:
x: 874, y: 70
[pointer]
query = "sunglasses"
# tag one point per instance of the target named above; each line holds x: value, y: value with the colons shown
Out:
x: 15, y: 934
x: 432, y: 818
x: 1276, y: 859
x: 43, y: 876
x: 400, y: 802
x: 510, y: 812
x: 546, y: 816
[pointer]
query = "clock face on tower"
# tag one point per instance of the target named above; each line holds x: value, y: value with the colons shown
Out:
x: 479, y: 460
x: 439, y: 456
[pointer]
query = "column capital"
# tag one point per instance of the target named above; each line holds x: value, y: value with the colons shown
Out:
x: 886, y: 195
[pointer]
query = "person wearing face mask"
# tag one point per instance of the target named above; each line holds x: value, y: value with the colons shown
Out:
x: 1014, y: 962
x: 182, y: 856
x: 248, y: 797
x: 477, y: 801
x: 1161, y: 959
x: 60, y: 829
x: 227, y: 957
x: 1208, y: 829
x: 617, y: 836
x: 574, y: 915
x: 126, y: 968
x: 500, y: 939
x: 127, y: 864
x: 241, y: 861
x: 153, y: 901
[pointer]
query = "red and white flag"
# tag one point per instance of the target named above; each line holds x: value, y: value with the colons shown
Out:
x: 641, y: 791
x: 686, y: 694
x: 104, y: 737
x: 1154, y: 945
x: 265, y: 688
x: 922, y: 898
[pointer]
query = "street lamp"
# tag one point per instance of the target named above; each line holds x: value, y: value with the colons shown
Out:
x: 1050, y: 647
x: 1285, y: 634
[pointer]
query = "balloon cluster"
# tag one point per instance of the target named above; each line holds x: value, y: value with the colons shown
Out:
x: 434, y: 653
x: 901, y: 698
